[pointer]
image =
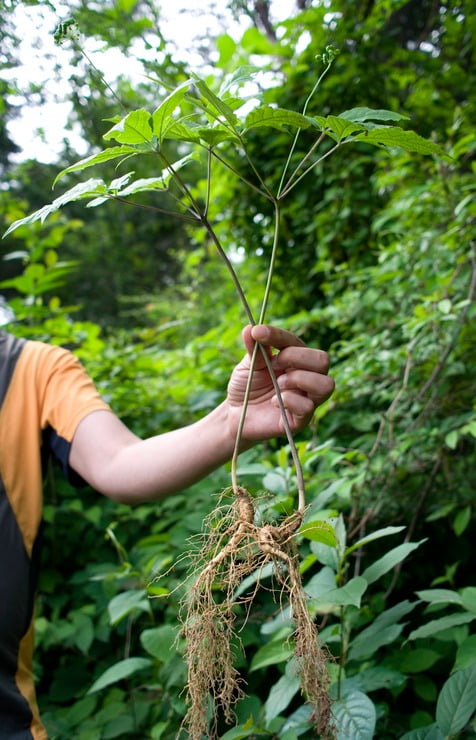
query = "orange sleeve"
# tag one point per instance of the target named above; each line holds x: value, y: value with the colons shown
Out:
x: 65, y: 392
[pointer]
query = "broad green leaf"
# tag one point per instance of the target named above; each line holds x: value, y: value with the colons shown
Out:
x: 319, y: 531
x: 439, y: 625
x: 181, y: 132
x: 125, y: 603
x: 394, y: 136
x: 213, y: 135
x: 440, y: 596
x: 87, y: 189
x: 159, y: 641
x: 416, y: 660
x: 162, y: 117
x: 373, y: 679
x: 457, y: 701
x: 265, y: 115
x: 348, y: 595
x: 106, y: 155
x: 213, y: 104
x: 363, y: 646
x: 241, y: 731
x: 468, y: 596
x: 282, y: 693
x: 122, y: 669
x: 272, y: 653
x: 337, y: 128
x: 389, y: 561
x: 354, y: 717
x: 385, y: 532
x: 466, y: 653
x: 461, y: 520
x: 359, y: 115
x: 430, y: 732
x: 134, y: 128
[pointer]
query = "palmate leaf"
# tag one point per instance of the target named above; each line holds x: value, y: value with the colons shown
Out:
x: 338, y: 128
x: 88, y: 189
x: 105, y: 155
x: 135, y: 128
x: 266, y: 115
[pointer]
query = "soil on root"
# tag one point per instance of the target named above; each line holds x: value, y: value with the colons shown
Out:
x: 235, y: 547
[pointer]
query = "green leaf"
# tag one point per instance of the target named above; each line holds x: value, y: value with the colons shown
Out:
x: 394, y: 136
x: 213, y: 135
x: 359, y: 115
x: 87, y: 189
x: 122, y: 669
x: 440, y: 596
x: 212, y: 103
x: 127, y: 602
x: 354, y: 717
x: 162, y: 117
x: 389, y: 561
x: 385, y: 532
x: 319, y: 531
x: 106, y: 155
x: 180, y: 132
x: 159, y: 641
x: 416, y: 660
x: 272, y: 653
x: 439, y: 625
x: 468, y: 596
x: 466, y: 653
x: 338, y: 128
x: 364, y: 647
x: 134, y: 128
x: 430, y: 732
x: 282, y: 693
x: 373, y: 679
x: 265, y: 115
x: 461, y: 520
x: 348, y: 595
x: 457, y: 701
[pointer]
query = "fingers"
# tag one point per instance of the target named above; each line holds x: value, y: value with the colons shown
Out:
x: 271, y: 336
x: 315, y: 386
x: 293, y: 351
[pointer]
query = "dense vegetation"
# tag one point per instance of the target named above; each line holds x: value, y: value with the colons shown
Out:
x: 376, y: 264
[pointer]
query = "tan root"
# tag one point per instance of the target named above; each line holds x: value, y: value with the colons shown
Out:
x: 235, y: 547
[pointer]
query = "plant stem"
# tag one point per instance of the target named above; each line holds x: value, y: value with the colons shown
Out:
x: 306, y: 172
x: 296, y: 137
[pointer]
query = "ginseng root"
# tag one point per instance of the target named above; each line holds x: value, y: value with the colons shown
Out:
x: 235, y: 547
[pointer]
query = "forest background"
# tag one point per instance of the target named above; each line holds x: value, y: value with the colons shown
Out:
x: 377, y: 265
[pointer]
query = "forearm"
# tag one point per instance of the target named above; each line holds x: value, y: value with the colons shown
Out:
x: 142, y: 470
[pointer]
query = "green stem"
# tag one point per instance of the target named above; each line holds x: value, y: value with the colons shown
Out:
x: 298, y: 132
x: 306, y: 172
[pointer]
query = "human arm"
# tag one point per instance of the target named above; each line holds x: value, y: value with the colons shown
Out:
x: 119, y: 464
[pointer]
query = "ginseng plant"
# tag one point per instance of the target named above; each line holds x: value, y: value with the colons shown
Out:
x: 236, y: 544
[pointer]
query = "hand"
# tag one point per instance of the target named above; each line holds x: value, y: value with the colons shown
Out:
x: 302, y: 378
